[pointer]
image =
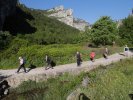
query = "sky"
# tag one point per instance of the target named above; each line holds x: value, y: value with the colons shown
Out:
x: 88, y: 10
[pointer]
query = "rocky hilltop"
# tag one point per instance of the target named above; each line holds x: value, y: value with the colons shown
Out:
x: 7, y: 7
x: 66, y: 16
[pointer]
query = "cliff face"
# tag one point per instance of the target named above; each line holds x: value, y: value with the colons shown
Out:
x: 7, y: 7
x: 63, y: 15
x: 66, y: 16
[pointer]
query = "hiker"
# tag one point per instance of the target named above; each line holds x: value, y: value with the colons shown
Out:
x: 126, y: 50
x: 92, y: 56
x: 48, y: 61
x: 79, y: 60
x: 106, y: 52
x: 22, y: 64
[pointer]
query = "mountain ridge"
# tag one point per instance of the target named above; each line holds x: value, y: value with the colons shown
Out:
x: 66, y: 16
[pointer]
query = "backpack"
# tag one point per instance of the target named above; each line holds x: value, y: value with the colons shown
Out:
x: 24, y: 61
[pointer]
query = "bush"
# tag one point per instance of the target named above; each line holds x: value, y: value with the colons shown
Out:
x: 104, y: 31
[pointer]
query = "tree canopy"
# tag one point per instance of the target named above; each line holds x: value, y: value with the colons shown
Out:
x: 126, y: 29
x: 104, y: 31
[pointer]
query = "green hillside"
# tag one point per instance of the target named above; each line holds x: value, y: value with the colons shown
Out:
x: 30, y: 31
x: 36, y: 27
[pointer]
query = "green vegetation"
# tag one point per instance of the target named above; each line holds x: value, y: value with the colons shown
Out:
x: 104, y: 31
x: 126, y: 31
x: 5, y: 39
x: 35, y: 54
x: 52, y: 89
x: 30, y: 33
x: 113, y: 82
x: 32, y: 30
x: 37, y: 28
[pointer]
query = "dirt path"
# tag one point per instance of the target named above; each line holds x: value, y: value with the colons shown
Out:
x: 40, y: 74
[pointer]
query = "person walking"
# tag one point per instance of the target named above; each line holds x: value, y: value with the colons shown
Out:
x: 106, y: 52
x: 48, y: 61
x: 92, y: 56
x: 79, y: 60
x: 126, y: 50
x: 22, y: 64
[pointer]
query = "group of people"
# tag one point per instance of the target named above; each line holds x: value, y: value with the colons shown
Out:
x: 50, y: 63
x: 22, y: 61
x: 105, y: 55
x: 92, y: 56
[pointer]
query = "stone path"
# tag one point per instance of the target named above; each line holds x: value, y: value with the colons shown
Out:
x: 40, y: 74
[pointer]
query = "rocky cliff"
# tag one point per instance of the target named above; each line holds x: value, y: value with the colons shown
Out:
x: 66, y: 16
x: 7, y: 7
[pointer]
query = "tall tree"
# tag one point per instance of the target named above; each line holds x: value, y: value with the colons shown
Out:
x: 104, y: 31
x: 126, y: 29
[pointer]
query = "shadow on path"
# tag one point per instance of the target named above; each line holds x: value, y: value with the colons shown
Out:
x: 31, y: 67
x: 3, y: 77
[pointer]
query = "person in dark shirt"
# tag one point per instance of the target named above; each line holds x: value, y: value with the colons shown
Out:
x: 126, y: 50
x: 79, y: 60
x: 48, y: 61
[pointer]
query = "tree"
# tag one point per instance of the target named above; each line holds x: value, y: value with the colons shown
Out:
x: 126, y: 29
x: 104, y: 31
x: 5, y: 39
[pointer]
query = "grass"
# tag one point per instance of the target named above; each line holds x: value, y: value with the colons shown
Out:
x: 113, y: 82
x: 52, y: 89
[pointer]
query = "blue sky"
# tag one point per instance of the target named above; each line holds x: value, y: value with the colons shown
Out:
x: 89, y: 10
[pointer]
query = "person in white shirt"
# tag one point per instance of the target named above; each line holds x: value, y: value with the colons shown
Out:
x: 22, y: 64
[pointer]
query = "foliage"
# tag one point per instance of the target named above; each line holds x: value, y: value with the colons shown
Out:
x: 126, y: 30
x: 5, y: 39
x: 30, y: 31
x: 104, y: 31
x: 36, y: 27
x: 13, y: 48
x: 53, y: 88
x: 111, y: 83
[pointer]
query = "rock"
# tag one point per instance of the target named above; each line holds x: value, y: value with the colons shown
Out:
x: 7, y: 7
x: 74, y: 95
x: 4, y: 88
x: 85, y: 81
x: 58, y: 8
x: 77, y: 95
x: 66, y: 16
